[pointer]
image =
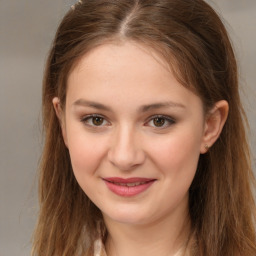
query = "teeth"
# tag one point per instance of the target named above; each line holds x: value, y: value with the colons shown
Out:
x: 129, y: 184
x: 134, y: 184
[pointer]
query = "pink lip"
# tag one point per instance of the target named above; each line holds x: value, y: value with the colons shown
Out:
x: 125, y: 190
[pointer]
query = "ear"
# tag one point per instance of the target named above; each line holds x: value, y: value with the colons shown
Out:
x: 60, y: 114
x: 214, y: 122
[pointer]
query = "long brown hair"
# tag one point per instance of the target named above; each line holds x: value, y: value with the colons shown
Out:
x: 193, y: 40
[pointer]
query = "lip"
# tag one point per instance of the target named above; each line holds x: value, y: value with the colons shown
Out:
x: 128, y: 187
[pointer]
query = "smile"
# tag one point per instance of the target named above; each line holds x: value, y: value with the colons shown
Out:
x: 128, y: 187
x: 129, y: 184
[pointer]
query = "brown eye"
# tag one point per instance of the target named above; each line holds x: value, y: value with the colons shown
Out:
x: 159, y: 121
x: 94, y: 121
x: 97, y: 121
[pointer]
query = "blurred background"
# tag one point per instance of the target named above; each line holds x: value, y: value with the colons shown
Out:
x: 27, y: 28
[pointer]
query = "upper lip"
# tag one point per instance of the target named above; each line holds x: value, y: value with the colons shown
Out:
x: 127, y: 180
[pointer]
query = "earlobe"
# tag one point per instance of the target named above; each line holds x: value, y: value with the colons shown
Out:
x: 60, y: 115
x: 215, y: 120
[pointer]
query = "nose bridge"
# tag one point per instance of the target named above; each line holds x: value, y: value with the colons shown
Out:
x: 126, y: 150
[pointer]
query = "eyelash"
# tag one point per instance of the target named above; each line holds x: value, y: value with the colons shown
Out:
x: 86, y: 119
x: 170, y: 121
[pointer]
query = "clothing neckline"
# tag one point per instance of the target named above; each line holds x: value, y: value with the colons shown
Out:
x: 99, y: 249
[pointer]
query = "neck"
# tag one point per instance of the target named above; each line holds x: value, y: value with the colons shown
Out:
x: 166, y: 237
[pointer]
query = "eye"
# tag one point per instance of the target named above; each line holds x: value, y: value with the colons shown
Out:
x: 94, y: 120
x: 160, y: 121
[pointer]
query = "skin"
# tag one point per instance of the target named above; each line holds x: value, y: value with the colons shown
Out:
x: 128, y: 141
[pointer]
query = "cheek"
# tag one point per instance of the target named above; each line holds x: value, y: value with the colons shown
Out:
x: 85, y: 151
x: 177, y: 153
x: 176, y: 158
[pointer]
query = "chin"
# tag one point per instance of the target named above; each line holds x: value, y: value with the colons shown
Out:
x: 128, y: 217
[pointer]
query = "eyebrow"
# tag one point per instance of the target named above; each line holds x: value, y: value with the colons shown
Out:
x: 92, y: 104
x: 143, y: 108
x: 167, y: 104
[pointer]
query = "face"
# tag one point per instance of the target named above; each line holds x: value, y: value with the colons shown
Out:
x: 133, y: 132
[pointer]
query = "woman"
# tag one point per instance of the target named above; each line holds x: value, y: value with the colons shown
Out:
x: 145, y: 147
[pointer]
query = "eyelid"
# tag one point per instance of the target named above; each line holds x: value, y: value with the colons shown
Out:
x: 169, y: 119
x: 87, y: 117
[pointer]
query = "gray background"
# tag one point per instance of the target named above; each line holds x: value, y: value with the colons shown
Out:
x: 26, y: 30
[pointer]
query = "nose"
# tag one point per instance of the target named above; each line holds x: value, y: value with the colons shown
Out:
x: 126, y: 151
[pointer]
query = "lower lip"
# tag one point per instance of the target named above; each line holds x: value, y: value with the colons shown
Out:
x: 128, y: 191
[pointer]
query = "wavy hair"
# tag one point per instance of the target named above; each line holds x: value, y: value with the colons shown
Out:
x: 193, y: 40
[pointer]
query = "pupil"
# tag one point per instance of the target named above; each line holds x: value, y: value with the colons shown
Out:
x: 159, y: 121
x: 97, y: 120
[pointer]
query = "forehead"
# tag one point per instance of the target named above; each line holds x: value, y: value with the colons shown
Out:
x: 110, y: 54
x: 124, y: 72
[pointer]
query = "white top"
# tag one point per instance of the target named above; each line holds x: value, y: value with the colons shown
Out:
x: 99, y: 249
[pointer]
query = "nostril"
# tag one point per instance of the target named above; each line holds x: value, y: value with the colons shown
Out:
x: 126, y: 160
x: 125, y: 150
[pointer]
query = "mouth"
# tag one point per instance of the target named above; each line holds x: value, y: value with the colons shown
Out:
x: 129, y: 184
x: 128, y: 187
